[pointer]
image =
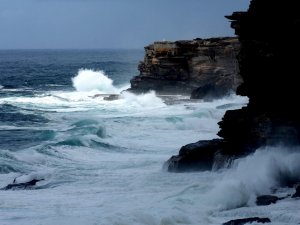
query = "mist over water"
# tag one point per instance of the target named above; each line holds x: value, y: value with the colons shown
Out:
x: 262, y: 173
x: 101, y: 161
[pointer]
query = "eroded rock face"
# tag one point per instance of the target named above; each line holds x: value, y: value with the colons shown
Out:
x: 206, y: 67
x: 269, y: 36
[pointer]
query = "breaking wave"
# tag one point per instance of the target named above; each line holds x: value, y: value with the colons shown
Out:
x: 261, y: 173
x: 89, y: 80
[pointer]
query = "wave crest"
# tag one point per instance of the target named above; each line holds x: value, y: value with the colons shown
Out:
x: 88, y: 80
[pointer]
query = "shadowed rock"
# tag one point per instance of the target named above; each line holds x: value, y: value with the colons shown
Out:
x: 269, y: 38
x: 111, y: 97
x: 267, y: 199
x: 247, y: 220
x: 195, y: 157
x: 21, y: 186
x: 297, y: 194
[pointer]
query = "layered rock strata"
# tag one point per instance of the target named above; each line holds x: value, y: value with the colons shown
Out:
x: 268, y: 61
x: 205, y: 68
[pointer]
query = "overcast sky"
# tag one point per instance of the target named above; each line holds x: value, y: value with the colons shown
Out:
x: 32, y: 24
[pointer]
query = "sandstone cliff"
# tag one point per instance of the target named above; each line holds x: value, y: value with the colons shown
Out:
x: 269, y: 36
x: 207, y: 68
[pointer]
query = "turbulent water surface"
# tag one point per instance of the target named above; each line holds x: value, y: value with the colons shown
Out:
x: 102, y: 161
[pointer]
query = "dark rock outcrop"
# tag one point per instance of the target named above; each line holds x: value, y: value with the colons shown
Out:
x: 21, y: 186
x: 195, y: 156
x: 247, y: 220
x: 266, y: 199
x: 297, y: 193
x: 269, y: 36
x: 112, y: 97
x: 207, y: 68
x: 268, y: 69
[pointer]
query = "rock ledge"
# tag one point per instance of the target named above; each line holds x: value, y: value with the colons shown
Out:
x: 205, y: 68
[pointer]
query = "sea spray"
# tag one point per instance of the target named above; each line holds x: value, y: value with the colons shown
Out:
x: 88, y: 80
x: 95, y: 82
x: 260, y: 173
x: 144, y: 100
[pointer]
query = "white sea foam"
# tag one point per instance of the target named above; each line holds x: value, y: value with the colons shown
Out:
x: 89, y: 80
x: 104, y: 165
x: 105, y: 179
x: 261, y: 173
x: 29, y: 177
x: 144, y: 100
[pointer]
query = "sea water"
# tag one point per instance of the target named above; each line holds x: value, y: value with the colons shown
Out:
x: 102, y: 161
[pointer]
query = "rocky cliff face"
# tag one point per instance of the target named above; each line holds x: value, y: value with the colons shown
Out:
x: 206, y: 68
x: 269, y: 36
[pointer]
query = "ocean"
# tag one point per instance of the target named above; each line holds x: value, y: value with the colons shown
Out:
x: 101, y: 162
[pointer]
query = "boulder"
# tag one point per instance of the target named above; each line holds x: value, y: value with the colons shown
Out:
x: 247, y: 220
x: 21, y: 186
x: 195, y: 157
x: 111, y: 97
x: 266, y: 199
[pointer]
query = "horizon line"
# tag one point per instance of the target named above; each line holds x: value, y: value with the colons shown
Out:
x: 77, y: 49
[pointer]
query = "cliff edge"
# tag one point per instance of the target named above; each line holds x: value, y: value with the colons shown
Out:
x: 202, y: 68
x: 268, y: 61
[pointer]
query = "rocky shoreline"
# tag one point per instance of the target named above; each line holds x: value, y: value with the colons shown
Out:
x: 200, y: 68
x: 269, y: 37
x: 268, y: 70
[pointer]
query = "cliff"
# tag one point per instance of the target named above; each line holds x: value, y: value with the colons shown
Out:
x: 207, y: 68
x: 268, y: 61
